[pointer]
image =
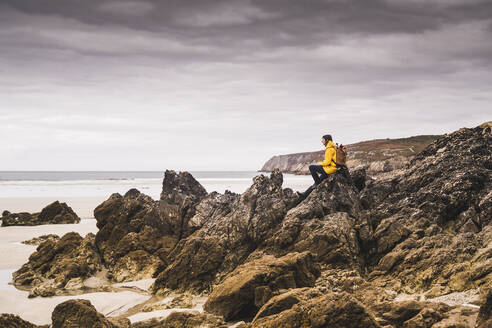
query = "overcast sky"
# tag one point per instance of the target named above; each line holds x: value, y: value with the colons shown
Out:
x: 225, y: 85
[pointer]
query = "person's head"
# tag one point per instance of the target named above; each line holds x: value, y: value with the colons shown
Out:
x: 325, y: 139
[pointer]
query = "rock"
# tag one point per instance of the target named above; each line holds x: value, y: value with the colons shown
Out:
x: 359, y: 178
x: 14, y: 321
x: 484, y: 318
x: 430, y: 219
x: 131, y: 231
x: 326, y: 223
x: 286, y: 301
x: 250, y: 285
x: 36, y: 241
x: 182, y: 301
x: 56, y: 263
x: 54, y: 213
x: 82, y: 314
x: 16, y: 219
x: 228, y: 235
x: 306, y: 308
x: 332, y: 239
x: 191, y: 319
x: 179, y: 197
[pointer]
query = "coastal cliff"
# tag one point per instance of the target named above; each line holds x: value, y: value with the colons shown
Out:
x: 376, y: 156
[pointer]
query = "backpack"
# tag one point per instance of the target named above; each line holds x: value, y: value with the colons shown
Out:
x: 341, y: 155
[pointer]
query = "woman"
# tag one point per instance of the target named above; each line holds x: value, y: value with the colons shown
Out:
x: 321, y: 170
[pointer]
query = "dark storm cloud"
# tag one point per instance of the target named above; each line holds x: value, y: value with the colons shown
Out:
x: 267, y: 75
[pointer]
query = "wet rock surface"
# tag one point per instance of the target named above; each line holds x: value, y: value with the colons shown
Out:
x: 54, y: 213
x: 57, y: 263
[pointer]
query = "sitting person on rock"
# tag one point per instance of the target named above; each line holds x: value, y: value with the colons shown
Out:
x: 321, y: 170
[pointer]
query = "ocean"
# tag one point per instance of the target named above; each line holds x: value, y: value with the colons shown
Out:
x: 30, y: 191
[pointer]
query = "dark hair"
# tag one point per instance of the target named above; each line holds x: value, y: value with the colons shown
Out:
x: 327, y: 137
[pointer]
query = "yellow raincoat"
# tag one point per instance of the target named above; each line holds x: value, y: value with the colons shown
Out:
x: 330, y: 154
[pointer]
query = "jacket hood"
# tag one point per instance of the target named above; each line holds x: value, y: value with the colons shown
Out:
x: 330, y: 144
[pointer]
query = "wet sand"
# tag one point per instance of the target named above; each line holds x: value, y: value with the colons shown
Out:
x: 38, y: 310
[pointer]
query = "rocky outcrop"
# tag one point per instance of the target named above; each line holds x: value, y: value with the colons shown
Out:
x: 252, y: 284
x: 376, y: 156
x: 376, y: 252
x: 228, y: 235
x: 36, y: 241
x: 82, y: 314
x: 136, y: 233
x: 54, y: 213
x: 14, y: 321
x: 56, y: 265
x: 431, y: 220
x: 326, y: 224
x: 309, y: 308
x: 130, y: 233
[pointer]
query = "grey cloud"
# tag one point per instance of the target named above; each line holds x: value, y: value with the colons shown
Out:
x: 128, y: 8
x: 219, y: 79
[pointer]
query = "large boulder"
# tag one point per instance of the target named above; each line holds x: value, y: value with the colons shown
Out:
x: 82, y: 314
x: 250, y: 285
x: 309, y: 308
x: 54, y: 213
x: 56, y: 263
x: 227, y: 235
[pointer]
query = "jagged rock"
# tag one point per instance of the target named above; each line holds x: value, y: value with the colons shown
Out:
x: 250, y: 285
x: 14, y: 321
x: 431, y: 219
x: 326, y: 223
x: 82, y: 314
x: 55, y: 263
x: 228, y: 235
x: 136, y: 233
x: 179, y: 197
x: 307, y: 308
x: 191, y: 319
x: 484, y: 319
x: 130, y: 233
x: 54, y: 213
x: 36, y: 241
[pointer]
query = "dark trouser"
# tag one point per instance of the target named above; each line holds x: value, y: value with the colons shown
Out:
x: 318, y: 173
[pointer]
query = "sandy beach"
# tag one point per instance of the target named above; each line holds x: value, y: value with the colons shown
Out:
x: 38, y: 310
